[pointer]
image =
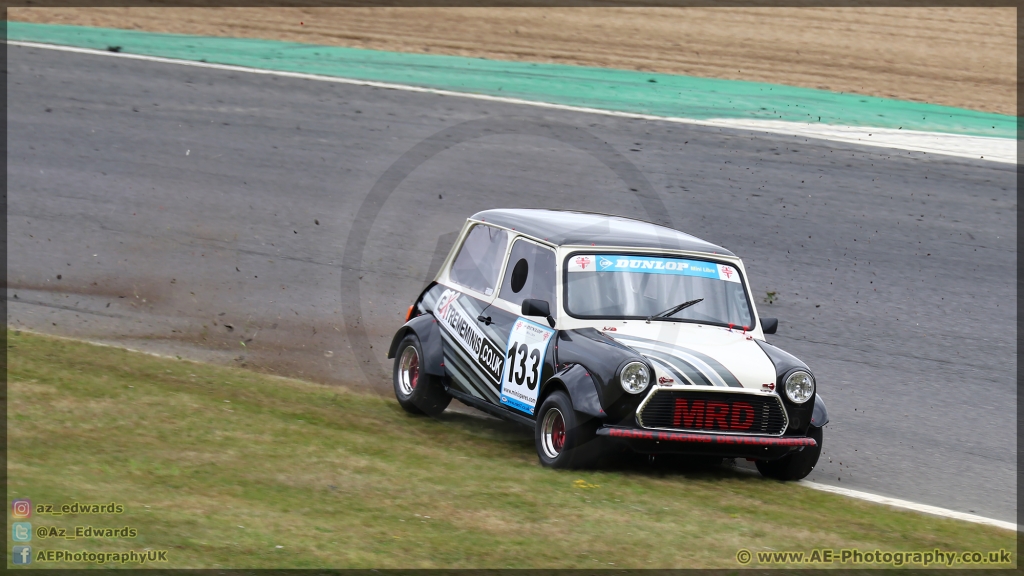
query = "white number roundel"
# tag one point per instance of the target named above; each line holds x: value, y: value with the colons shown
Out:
x: 524, y: 361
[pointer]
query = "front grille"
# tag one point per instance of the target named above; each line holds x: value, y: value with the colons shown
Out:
x: 718, y: 412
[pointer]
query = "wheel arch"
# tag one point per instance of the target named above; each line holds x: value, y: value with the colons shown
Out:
x: 819, y: 417
x: 425, y: 328
x: 553, y: 384
x: 576, y: 381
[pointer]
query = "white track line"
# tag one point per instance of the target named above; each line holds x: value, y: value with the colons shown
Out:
x: 979, y: 147
x: 101, y: 344
x: 117, y: 346
x: 934, y: 510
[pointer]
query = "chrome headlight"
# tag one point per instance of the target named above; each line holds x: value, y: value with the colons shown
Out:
x: 634, y: 377
x: 800, y: 386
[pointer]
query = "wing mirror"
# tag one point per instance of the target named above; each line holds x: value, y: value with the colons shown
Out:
x: 533, y: 307
x: 769, y: 325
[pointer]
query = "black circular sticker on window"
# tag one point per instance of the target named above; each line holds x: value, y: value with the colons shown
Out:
x: 519, y: 275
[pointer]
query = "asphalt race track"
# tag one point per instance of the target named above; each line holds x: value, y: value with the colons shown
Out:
x: 217, y: 215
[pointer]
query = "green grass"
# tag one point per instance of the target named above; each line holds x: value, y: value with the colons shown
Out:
x: 228, y: 468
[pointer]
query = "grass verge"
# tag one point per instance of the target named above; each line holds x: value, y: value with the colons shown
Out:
x: 227, y: 468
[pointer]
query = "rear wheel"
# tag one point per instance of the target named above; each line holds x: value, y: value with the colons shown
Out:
x: 796, y: 465
x: 417, y: 392
x: 565, y: 438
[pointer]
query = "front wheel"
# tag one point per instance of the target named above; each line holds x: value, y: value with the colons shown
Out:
x: 796, y: 465
x: 417, y: 392
x: 564, y: 437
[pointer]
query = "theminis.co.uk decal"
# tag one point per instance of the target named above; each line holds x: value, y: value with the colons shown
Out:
x: 460, y: 325
x: 652, y: 265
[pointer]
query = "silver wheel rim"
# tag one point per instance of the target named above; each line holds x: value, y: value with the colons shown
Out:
x: 552, y: 433
x: 408, y: 370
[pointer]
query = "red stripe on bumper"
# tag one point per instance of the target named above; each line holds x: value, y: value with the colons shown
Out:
x: 704, y: 438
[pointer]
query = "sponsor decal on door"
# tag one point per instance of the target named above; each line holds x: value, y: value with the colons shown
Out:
x: 524, y: 360
x: 457, y: 322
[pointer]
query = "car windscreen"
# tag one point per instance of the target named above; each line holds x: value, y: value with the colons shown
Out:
x: 637, y: 286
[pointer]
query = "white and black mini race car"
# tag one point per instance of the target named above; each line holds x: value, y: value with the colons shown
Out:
x: 598, y: 330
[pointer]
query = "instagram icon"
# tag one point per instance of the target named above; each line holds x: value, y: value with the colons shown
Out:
x: 21, y: 508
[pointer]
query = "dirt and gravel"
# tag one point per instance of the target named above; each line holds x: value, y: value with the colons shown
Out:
x: 965, y: 57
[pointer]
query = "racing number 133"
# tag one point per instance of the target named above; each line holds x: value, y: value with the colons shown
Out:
x: 518, y: 371
x: 524, y: 356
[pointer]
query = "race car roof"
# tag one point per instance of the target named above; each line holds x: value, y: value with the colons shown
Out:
x: 564, y: 227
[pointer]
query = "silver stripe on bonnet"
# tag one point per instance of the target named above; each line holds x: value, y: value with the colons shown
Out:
x: 710, y: 368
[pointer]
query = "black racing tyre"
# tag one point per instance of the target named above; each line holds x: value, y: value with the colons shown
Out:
x: 564, y: 437
x: 417, y: 391
x: 795, y: 465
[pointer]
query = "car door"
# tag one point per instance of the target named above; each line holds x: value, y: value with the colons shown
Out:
x: 527, y: 351
x: 473, y: 349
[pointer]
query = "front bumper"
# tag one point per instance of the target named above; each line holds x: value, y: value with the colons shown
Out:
x: 726, y: 445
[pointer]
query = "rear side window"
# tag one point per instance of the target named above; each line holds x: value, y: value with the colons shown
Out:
x: 480, y: 258
x: 530, y: 274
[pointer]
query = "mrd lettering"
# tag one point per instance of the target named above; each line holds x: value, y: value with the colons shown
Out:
x: 712, y: 415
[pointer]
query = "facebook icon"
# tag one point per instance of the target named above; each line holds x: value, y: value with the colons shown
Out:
x: 21, y: 554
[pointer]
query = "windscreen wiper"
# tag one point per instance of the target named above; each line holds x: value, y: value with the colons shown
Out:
x: 674, y: 309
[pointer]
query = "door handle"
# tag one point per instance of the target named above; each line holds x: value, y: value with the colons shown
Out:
x: 485, y: 319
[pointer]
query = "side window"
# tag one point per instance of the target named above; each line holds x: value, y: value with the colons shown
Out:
x: 530, y: 274
x: 480, y: 258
